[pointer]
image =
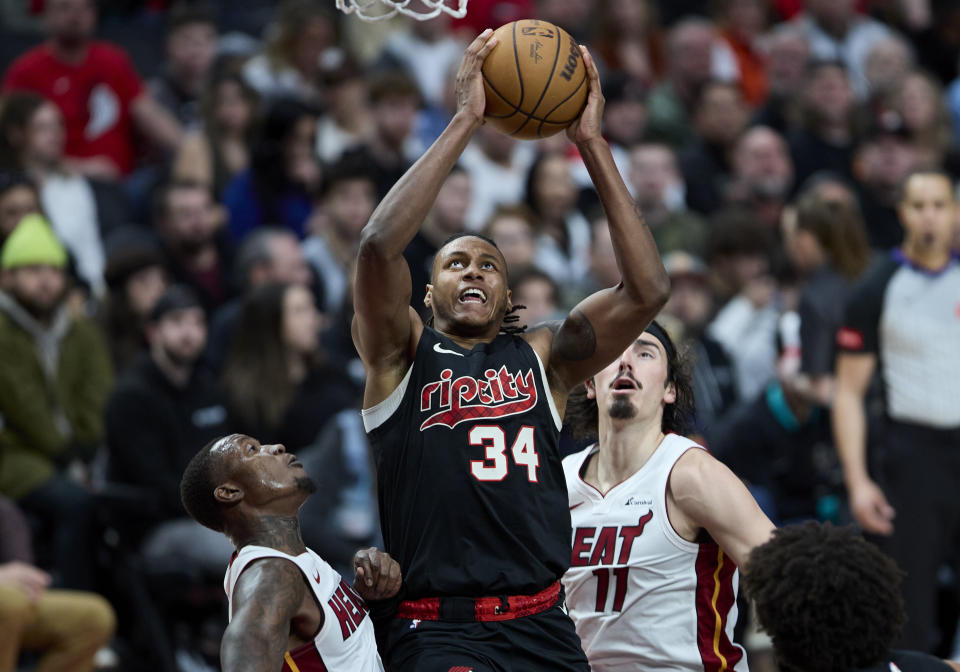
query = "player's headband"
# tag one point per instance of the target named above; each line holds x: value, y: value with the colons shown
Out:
x: 661, y: 335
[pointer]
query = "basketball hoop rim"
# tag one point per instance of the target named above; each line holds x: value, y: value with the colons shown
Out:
x: 361, y: 8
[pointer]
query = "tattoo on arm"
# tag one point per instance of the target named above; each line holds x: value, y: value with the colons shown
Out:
x: 574, y: 340
x: 266, y: 598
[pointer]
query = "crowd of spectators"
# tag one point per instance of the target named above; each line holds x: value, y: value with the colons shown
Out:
x: 182, y: 190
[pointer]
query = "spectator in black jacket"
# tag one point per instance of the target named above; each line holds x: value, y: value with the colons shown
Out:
x: 163, y: 408
x: 720, y: 117
x: 827, y: 139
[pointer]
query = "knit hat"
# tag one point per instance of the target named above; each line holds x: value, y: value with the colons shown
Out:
x: 33, y: 242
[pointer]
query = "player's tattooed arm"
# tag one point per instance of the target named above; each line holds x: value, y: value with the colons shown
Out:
x: 602, y: 325
x: 266, y: 598
x: 572, y: 339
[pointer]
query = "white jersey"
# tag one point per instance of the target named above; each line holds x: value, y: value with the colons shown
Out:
x: 641, y: 596
x: 345, y: 641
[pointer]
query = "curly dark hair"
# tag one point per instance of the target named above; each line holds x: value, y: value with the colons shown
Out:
x: 197, y: 486
x: 829, y: 599
x: 583, y: 416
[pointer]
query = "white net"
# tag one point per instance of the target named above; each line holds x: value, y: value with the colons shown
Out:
x: 378, y: 10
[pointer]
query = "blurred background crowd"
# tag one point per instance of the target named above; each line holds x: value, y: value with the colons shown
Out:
x: 182, y: 190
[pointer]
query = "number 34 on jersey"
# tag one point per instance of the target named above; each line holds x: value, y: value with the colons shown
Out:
x: 495, y: 465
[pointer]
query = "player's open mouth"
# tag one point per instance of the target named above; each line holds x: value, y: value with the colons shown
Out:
x: 624, y: 383
x: 473, y: 295
x: 294, y: 462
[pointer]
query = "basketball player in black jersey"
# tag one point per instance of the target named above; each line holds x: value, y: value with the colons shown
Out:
x: 464, y: 420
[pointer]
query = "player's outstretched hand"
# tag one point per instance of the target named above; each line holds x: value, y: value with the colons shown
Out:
x: 871, y: 509
x: 377, y: 574
x: 469, y: 86
x: 590, y: 122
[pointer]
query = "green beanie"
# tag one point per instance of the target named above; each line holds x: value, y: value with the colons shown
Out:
x: 33, y: 242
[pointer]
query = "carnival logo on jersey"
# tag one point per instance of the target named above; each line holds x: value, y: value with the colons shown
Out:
x: 497, y: 395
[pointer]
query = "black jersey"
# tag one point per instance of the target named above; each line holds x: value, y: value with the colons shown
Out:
x: 472, y: 496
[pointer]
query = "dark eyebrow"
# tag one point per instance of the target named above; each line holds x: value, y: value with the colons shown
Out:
x: 650, y: 344
x: 450, y: 256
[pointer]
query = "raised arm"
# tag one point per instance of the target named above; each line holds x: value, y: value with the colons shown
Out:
x: 703, y: 493
x: 599, y: 328
x: 267, y: 596
x: 384, y: 323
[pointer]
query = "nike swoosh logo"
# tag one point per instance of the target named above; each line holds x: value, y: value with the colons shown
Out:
x: 576, y: 505
x: 443, y: 351
x: 317, y: 578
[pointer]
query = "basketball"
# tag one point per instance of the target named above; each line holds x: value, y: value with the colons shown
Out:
x: 535, y: 80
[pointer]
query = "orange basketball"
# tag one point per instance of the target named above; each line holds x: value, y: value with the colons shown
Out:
x: 534, y: 79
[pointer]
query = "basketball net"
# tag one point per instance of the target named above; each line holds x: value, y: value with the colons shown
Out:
x: 378, y: 10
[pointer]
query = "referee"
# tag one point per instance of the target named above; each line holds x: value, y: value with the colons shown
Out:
x: 904, y: 317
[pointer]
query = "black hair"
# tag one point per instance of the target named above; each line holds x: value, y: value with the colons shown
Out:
x: 529, y: 185
x: 197, y: 486
x: 392, y: 83
x: 583, y: 414
x: 736, y: 230
x: 16, y: 111
x: 353, y: 164
x: 829, y: 599
x: 468, y: 234
x: 10, y: 179
x: 255, y: 375
x: 161, y: 195
x: 268, y: 165
x: 176, y: 297
x: 183, y: 14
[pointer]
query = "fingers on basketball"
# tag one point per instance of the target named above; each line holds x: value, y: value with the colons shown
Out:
x: 535, y: 80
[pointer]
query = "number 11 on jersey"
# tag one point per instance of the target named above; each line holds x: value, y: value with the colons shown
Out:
x: 494, y: 466
x: 603, y: 586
